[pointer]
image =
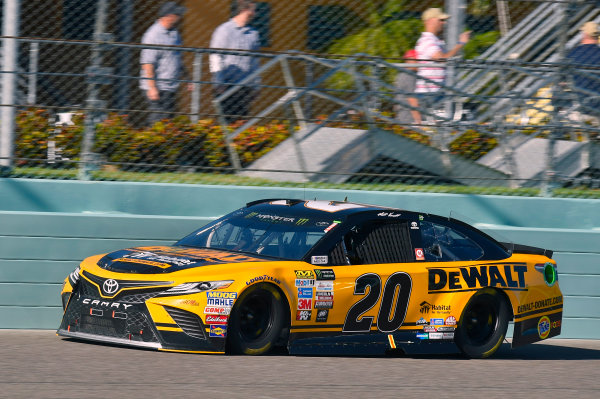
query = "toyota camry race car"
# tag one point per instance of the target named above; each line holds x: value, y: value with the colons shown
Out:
x: 319, y: 278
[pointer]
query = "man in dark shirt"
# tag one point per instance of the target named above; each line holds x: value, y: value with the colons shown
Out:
x: 587, y: 81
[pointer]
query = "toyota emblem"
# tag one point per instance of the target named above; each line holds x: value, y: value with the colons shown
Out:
x: 110, y: 286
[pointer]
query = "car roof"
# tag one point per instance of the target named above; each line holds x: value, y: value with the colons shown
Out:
x: 316, y: 207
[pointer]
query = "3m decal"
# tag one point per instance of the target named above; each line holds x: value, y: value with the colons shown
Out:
x: 419, y: 254
x: 216, y: 319
x: 304, y: 292
x: 506, y: 276
x: 303, y: 315
x: 218, y: 331
x: 304, y: 274
x: 322, y: 315
x: 319, y: 260
x: 304, y: 304
x: 544, y: 327
x: 391, y: 313
x: 325, y: 274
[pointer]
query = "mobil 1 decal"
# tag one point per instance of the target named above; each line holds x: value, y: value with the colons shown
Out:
x: 392, y: 308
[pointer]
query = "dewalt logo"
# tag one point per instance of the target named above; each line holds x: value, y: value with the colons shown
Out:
x: 506, y: 276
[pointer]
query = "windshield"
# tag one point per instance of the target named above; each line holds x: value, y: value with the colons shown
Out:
x: 268, y: 234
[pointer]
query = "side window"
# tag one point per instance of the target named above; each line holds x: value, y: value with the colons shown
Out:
x: 378, y: 243
x: 442, y: 243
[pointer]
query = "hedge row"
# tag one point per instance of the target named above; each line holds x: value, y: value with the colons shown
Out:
x: 180, y: 142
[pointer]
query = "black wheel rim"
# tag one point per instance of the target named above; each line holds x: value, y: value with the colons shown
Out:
x: 481, y: 321
x: 255, y: 317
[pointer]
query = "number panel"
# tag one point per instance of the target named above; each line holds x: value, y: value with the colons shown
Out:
x: 352, y: 323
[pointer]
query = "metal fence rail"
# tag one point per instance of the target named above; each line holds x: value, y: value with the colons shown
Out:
x: 336, y: 111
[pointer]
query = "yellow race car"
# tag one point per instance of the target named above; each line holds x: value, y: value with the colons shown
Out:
x: 318, y: 277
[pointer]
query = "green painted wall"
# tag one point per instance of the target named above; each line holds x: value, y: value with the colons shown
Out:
x: 47, y: 227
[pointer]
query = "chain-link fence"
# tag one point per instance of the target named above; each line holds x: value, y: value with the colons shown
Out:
x: 309, y: 92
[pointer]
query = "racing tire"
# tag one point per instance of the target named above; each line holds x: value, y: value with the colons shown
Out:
x: 256, y: 321
x: 483, y: 324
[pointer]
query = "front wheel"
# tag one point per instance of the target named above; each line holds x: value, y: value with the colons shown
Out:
x: 483, y: 324
x: 256, y: 321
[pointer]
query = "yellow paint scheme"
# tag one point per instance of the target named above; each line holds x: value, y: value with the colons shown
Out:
x: 423, y: 302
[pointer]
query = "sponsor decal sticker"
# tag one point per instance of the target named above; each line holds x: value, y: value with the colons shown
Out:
x: 325, y: 274
x: 263, y: 278
x: 304, y: 304
x: 218, y: 331
x: 217, y: 310
x: 450, y: 321
x: 323, y: 304
x: 423, y: 335
x: 111, y: 305
x: 304, y: 274
x: 216, y: 319
x: 448, y: 335
x: 414, y: 226
x: 221, y: 294
x: 303, y: 282
x: 506, y: 276
x: 425, y: 307
x: 219, y: 302
x: 322, y: 315
x: 319, y: 260
x: 539, y: 304
x: 436, y: 322
x: 436, y: 335
x: 331, y: 226
x: 324, y: 296
x: 188, y: 302
x: 419, y: 254
x: 543, y: 327
x: 324, y: 285
x: 429, y: 329
x: 304, y: 292
x: 445, y: 329
x: 301, y: 221
x: 303, y: 315
x: 151, y: 256
x: 421, y: 321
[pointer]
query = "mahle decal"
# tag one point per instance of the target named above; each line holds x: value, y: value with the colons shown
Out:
x: 506, y: 276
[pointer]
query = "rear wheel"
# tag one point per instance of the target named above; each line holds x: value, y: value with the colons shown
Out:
x: 483, y: 325
x: 256, y: 320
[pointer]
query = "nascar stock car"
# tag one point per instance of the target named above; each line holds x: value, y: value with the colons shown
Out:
x: 319, y: 278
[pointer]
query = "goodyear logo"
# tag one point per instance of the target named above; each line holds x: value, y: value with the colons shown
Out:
x: 507, y: 276
x: 219, y: 294
x: 305, y: 274
x: 218, y: 331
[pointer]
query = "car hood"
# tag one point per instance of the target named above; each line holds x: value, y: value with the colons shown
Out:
x: 167, y: 259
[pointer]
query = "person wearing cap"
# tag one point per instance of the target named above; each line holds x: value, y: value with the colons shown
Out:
x: 229, y: 69
x: 162, y: 68
x: 585, y: 81
x: 430, y: 48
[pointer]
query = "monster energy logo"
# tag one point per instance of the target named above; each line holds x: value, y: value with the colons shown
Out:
x: 250, y: 215
x: 301, y: 221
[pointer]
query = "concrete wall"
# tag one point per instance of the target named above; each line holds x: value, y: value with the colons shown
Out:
x: 47, y: 227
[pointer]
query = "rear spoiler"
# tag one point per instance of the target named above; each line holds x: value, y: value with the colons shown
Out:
x: 526, y: 249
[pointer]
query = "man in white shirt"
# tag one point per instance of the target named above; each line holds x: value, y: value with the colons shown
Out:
x: 229, y: 69
x: 431, y: 49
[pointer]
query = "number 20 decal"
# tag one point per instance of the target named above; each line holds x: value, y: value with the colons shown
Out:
x: 391, y: 315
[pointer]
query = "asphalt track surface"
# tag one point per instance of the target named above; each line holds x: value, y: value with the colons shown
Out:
x: 38, y: 364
